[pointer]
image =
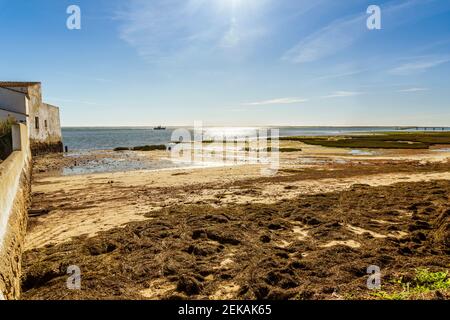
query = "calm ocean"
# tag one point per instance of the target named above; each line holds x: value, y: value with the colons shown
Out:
x: 110, y: 138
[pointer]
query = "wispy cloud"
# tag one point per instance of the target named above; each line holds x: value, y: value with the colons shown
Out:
x: 79, y: 77
x: 342, y: 94
x: 419, y: 65
x: 343, y: 33
x: 276, y: 102
x: 166, y: 29
x: 410, y: 90
x: 331, y: 39
x: 340, y: 75
x: 88, y: 103
x: 436, y: 45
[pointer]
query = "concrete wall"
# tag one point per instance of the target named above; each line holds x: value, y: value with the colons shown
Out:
x: 13, y: 100
x: 13, y: 104
x: 14, y: 202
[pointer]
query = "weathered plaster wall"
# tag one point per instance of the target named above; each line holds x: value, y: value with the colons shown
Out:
x: 34, y: 108
x: 49, y: 126
x: 46, y: 136
x: 14, y: 201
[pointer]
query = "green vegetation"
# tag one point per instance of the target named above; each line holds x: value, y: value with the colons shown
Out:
x: 143, y: 148
x: 5, y: 126
x: 5, y: 137
x: 424, y: 282
x: 388, y: 140
x: 391, y: 296
x: 150, y: 148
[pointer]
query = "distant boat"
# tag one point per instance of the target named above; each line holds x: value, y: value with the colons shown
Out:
x: 159, y: 128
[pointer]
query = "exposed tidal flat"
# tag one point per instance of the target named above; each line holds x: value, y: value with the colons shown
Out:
x: 228, y: 232
x: 132, y: 157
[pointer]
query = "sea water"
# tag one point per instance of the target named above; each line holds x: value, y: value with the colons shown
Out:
x: 109, y: 138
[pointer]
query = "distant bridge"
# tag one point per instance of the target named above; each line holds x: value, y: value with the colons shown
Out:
x: 424, y: 128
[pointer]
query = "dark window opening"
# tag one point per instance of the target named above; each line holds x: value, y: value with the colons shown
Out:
x: 36, y: 122
x: 45, y: 123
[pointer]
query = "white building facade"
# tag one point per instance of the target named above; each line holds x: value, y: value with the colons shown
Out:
x: 23, y: 102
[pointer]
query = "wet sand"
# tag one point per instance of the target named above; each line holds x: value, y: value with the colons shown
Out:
x: 308, y: 232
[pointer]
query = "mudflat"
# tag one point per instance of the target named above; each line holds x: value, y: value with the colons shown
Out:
x: 309, y: 232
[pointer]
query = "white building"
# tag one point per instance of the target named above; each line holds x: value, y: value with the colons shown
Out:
x: 23, y: 102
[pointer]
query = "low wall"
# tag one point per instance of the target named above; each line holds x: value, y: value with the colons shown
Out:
x: 38, y: 148
x: 15, y: 174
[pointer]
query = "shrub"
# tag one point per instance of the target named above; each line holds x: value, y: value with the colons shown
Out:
x: 150, y: 148
x: 5, y: 126
x: 5, y: 137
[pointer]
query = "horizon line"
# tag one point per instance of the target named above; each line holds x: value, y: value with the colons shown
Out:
x: 257, y: 126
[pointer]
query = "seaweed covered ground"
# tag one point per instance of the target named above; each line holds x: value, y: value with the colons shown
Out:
x: 315, y: 246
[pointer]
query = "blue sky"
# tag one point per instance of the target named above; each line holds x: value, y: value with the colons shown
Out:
x: 233, y: 62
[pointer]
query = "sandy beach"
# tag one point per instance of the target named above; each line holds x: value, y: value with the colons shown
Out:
x: 225, y: 158
x: 309, y: 232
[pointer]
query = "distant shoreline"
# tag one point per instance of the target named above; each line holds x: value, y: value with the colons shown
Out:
x: 261, y: 126
x: 86, y: 138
